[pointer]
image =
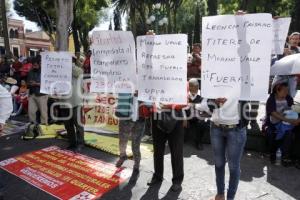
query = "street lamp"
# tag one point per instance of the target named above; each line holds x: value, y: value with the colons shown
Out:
x: 157, y: 17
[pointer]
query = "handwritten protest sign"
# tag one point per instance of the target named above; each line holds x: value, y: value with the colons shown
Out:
x: 162, y: 68
x: 56, y: 73
x: 113, y: 63
x: 66, y: 175
x: 281, y: 29
x: 236, y: 56
x: 99, y: 111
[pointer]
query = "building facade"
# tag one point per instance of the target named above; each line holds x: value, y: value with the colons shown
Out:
x: 24, y: 43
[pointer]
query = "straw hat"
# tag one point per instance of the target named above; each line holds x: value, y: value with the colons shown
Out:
x: 11, y: 81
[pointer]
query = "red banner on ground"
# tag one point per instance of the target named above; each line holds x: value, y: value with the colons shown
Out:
x: 66, y: 175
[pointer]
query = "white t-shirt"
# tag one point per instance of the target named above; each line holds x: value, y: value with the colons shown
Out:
x: 5, y: 104
x: 227, y: 114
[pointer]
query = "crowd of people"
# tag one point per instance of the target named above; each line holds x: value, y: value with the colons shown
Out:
x: 21, y: 77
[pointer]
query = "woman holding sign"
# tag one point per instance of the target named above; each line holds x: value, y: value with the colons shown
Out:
x: 228, y: 138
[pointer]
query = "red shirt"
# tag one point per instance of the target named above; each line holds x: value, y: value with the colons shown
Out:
x: 87, y: 66
x: 17, y: 66
x: 25, y: 69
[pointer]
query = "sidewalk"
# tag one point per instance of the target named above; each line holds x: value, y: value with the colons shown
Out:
x: 259, y: 179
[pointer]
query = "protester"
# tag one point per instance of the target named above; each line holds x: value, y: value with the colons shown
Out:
x: 195, y: 126
x: 228, y: 137
x: 278, y: 135
x: 72, y: 109
x: 194, y: 68
x: 5, y: 110
x: 16, y: 66
x: 20, y: 100
x: 131, y: 124
x: 166, y: 128
x: 293, y: 42
x: 296, y: 147
x: 37, y: 100
x: 4, y: 67
x: 87, y: 63
x: 27, y: 65
x: 11, y: 85
x: 292, y: 48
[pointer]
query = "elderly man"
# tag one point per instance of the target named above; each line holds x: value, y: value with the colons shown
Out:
x: 5, y: 111
x: 195, y: 125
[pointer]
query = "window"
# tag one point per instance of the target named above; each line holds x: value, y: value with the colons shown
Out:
x: 2, y: 50
x: 16, y: 33
x: 16, y: 51
x: 11, y: 33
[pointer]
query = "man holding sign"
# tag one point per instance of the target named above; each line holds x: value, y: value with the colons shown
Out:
x: 37, y: 100
x: 236, y: 59
x: 162, y: 78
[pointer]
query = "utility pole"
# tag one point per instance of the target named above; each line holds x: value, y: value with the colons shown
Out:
x: 5, y: 29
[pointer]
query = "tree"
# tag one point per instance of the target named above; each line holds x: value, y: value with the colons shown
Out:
x: 110, y: 25
x: 295, y: 26
x: 129, y: 6
x: 40, y: 11
x: 64, y: 19
x: 86, y: 15
x: 212, y: 6
x: 117, y: 20
x: 5, y: 30
x: 197, y: 26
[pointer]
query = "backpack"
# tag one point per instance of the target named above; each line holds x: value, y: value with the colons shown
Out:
x: 32, y: 131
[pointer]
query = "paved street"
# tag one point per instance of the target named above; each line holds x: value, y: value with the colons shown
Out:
x: 259, y: 179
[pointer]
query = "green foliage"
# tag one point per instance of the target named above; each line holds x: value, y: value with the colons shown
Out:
x: 87, y: 14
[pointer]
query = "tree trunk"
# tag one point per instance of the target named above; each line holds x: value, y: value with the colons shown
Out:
x: 168, y: 9
x: 83, y: 35
x: 133, y: 20
x: 197, y: 27
x: 5, y: 29
x: 76, y: 41
x: 175, y: 20
x: 212, y: 6
x: 64, y: 18
x: 142, y: 10
x: 244, y: 5
x: 295, y: 26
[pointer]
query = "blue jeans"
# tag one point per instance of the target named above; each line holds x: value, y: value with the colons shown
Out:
x: 227, y: 143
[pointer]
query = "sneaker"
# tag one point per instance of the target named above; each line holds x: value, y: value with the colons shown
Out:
x: 121, y: 161
x: 218, y: 197
x: 79, y: 148
x: 71, y: 147
x: 176, y: 187
x: 153, y: 181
